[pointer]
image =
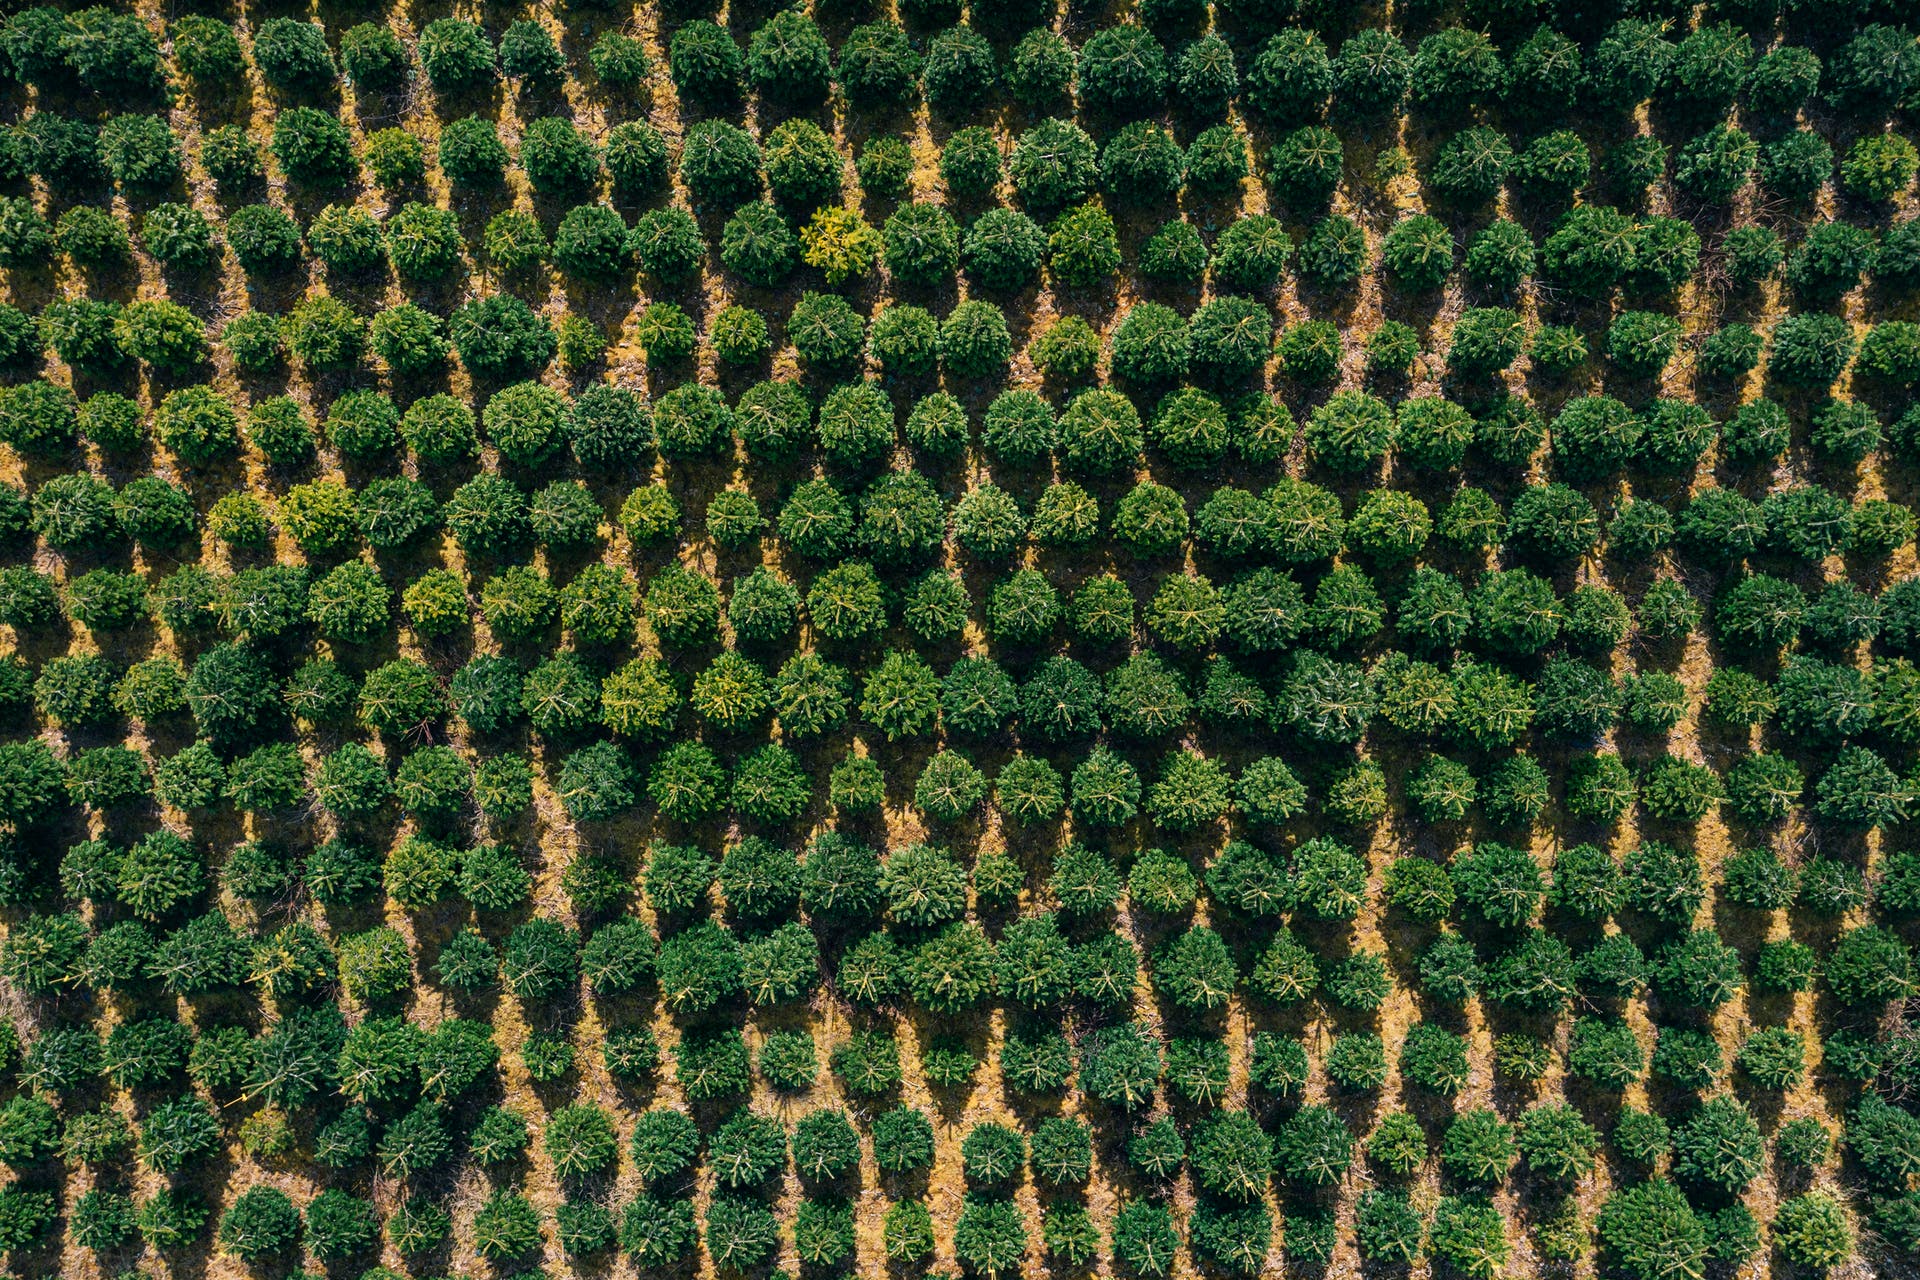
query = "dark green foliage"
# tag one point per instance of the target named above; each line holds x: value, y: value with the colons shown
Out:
x: 1689, y: 1058
x: 705, y: 62
x: 1122, y: 71
x: 970, y: 162
x: 664, y: 1143
x: 1434, y: 1058
x: 877, y: 66
x: 1469, y: 168
x: 471, y: 153
x: 1304, y: 168
x: 958, y: 73
x: 1478, y: 1148
x: 1649, y: 1227
x: 656, y: 1232
x: 1276, y: 608
x: 455, y: 55
x: 1418, y: 253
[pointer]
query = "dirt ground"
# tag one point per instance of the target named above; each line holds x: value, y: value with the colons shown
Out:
x: 552, y: 842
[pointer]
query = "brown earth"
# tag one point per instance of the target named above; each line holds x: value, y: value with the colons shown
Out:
x: 549, y: 832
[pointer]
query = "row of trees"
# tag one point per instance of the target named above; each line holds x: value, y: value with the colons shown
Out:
x: 1217, y: 688
x: 1231, y: 1157
x: 1538, y: 74
x: 1646, y: 1225
x: 931, y: 954
x: 409, y: 1078
x: 1098, y: 436
x: 1589, y: 251
x: 1052, y: 166
x: 1829, y: 721
x: 1223, y: 343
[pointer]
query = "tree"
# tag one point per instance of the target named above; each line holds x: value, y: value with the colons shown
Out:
x: 1719, y: 1146
x: 164, y: 335
x: 974, y: 342
x: 824, y: 1145
x: 1469, y: 1235
x: 591, y: 243
x: 102, y: 1220
x: 1858, y: 790
x: 877, y: 67
x: 636, y: 154
x: 178, y: 236
x: 922, y: 244
x: 1291, y: 77
x: 1809, y: 349
x: 1812, y: 1231
x: 1003, y: 249
x: 1649, y: 1228
x: 261, y: 1223
x: 1880, y: 1136
x: 657, y: 1232
x: 1359, y: 982
x: 711, y: 1064
x: 1312, y: 1149
x: 559, y: 161
x: 1083, y: 247
x: 823, y: 1231
x: 990, y: 1236
x: 506, y: 1226
x: 905, y: 339
x: 1831, y: 259
x: 455, y: 55
x: 292, y: 55
x: 908, y: 1231
x: 500, y: 338
x: 1871, y: 70
x: 528, y: 54
x: 803, y: 169
x: 1686, y: 1057
x: 80, y: 331
x: 958, y: 71
x: 705, y: 63
x: 970, y: 163
x: 1175, y: 255
x: 868, y: 1064
x: 140, y: 151
x: 1310, y: 352
x: 1142, y: 164
x: 24, y: 1217
x: 313, y: 148
x: 992, y: 1154
x: 473, y: 156
x: 580, y: 1140
x: 373, y: 58
x: 1868, y: 966
x: 1774, y: 1058
x: 664, y: 1143
x: 950, y: 787
x: 1478, y: 1147
x: 698, y: 968
x: 1434, y: 1058
x: 28, y: 1132
x: 206, y: 51
x: 840, y: 243
x: 419, y: 1226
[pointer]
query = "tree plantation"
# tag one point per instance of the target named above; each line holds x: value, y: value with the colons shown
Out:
x: 960, y: 638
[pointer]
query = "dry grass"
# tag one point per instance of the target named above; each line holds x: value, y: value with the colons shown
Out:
x: 549, y: 836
